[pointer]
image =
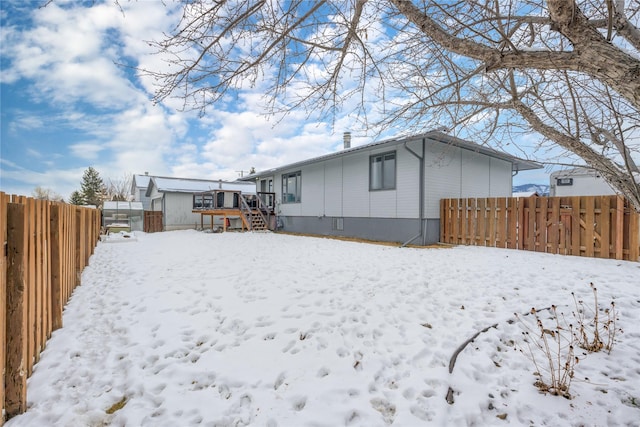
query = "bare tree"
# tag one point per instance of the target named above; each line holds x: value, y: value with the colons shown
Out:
x: 565, y: 71
x: 119, y: 190
x: 43, y: 193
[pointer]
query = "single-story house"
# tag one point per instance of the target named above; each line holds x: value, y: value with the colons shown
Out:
x: 578, y: 182
x: 388, y: 190
x: 175, y: 197
x: 139, y: 185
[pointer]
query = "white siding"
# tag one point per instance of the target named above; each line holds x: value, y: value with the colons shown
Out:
x: 340, y: 187
x: 383, y: 204
x: 407, y: 182
x: 586, y: 184
x: 355, y: 190
x: 501, y: 178
x: 312, y: 190
x: 178, y: 211
x: 155, y: 199
x: 333, y: 187
x: 474, y: 168
x: 442, y: 176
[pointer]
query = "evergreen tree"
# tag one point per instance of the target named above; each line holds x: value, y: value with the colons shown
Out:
x: 76, y: 198
x: 92, y: 187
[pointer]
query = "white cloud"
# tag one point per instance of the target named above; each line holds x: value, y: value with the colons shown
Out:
x: 69, y: 59
x: 86, y: 151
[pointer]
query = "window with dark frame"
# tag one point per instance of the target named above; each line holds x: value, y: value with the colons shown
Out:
x: 564, y: 181
x: 382, y: 171
x: 202, y: 201
x: 292, y: 187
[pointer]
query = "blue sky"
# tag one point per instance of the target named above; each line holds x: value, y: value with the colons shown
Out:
x: 66, y: 105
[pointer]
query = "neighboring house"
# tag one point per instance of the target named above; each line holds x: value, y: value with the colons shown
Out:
x: 174, y: 197
x: 578, y: 182
x: 389, y: 190
x: 139, y: 185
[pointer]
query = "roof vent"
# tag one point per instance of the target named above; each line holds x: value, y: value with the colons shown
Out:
x: 347, y: 140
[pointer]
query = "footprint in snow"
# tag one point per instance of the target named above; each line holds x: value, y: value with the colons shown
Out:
x: 386, y: 409
x: 288, y: 346
x: 323, y: 372
x: 279, y: 381
x: 299, y: 403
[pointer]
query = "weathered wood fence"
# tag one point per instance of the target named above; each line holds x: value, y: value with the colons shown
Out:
x: 46, y: 245
x: 594, y: 226
x: 152, y: 221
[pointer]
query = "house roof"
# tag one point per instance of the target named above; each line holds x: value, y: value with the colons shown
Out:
x: 434, y: 136
x: 141, y: 181
x: 183, y: 185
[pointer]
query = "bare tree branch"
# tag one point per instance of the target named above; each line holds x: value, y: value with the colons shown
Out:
x: 565, y: 71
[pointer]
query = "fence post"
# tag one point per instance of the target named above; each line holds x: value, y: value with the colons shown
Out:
x: 77, y: 231
x: 16, y: 364
x: 3, y: 297
x: 634, y: 234
x: 56, y: 267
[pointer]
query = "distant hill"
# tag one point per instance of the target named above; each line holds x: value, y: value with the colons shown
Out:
x: 541, y: 189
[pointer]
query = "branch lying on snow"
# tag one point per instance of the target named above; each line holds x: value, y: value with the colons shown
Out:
x: 454, y: 357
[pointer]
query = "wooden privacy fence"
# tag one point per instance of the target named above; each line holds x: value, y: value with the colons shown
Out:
x: 594, y: 226
x: 46, y: 245
x: 152, y: 221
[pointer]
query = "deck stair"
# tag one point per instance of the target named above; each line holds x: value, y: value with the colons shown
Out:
x: 252, y: 217
x: 257, y: 221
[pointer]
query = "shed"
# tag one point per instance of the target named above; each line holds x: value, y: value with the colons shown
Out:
x: 123, y: 215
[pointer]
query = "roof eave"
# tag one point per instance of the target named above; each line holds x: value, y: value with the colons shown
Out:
x: 435, y: 136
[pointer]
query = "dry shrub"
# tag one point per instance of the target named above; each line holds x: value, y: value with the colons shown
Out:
x: 552, y: 352
x: 594, y: 333
x: 552, y: 348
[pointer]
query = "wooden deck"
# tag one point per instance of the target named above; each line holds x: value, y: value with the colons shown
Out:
x: 249, y: 220
x: 254, y: 214
x: 224, y: 213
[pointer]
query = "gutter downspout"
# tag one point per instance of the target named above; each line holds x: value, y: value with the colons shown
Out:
x: 421, y: 192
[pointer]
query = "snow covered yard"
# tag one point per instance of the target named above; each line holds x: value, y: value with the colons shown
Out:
x: 187, y: 328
